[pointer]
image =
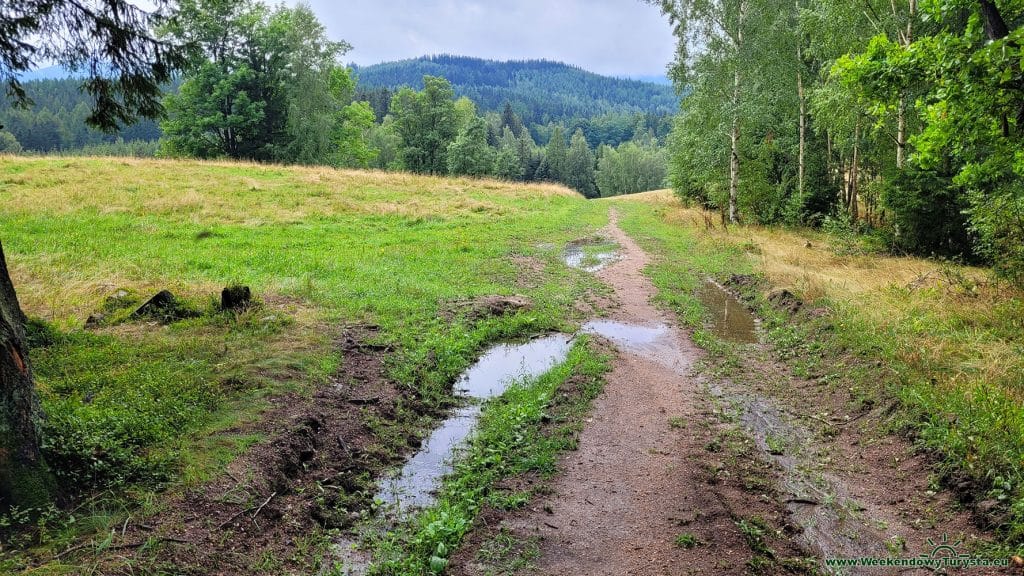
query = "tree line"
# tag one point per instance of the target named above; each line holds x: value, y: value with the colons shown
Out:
x: 431, y: 132
x: 899, y: 119
x: 57, y: 121
x: 265, y: 84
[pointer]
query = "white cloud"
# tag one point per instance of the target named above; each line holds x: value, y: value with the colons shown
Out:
x: 615, y: 37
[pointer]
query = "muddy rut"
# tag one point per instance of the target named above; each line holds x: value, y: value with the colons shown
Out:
x: 651, y: 467
x: 636, y: 478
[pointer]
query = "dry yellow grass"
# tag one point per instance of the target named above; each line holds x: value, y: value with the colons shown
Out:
x: 942, y: 315
x: 246, y: 193
x: 805, y: 259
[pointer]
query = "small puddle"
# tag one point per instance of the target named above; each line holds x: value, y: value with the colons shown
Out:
x: 577, y: 256
x: 414, y: 485
x: 657, y: 342
x: 730, y: 319
x: 643, y: 340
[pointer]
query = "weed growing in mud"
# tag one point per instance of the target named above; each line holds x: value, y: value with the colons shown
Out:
x: 511, y: 439
x: 776, y: 445
x: 505, y: 554
x: 686, y: 541
x: 504, y: 500
x: 755, y: 530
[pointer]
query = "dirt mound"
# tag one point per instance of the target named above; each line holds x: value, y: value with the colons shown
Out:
x: 487, y: 306
x: 235, y: 297
x: 785, y: 300
x: 165, y: 308
x: 740, y: 281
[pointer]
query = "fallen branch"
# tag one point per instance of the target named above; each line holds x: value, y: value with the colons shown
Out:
x: 70, y: 550
x: 265, y: 502
x: 234, y: 517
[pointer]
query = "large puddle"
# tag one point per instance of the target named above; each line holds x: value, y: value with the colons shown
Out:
x: 730, y: 319
x: 414, y: 485
x: 588, y: 256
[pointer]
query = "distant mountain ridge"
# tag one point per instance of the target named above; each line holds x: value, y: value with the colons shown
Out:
x: 49, y: 73
x: 539, y: 90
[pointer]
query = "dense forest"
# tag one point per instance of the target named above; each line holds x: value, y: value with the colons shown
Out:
x: 56, y: 122
x: 542, y: 93
x: 264, y: 84
x: 892, y: 118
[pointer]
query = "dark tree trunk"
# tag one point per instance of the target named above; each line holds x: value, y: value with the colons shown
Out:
x: 996, y: 29
x: 995, y: 26
x: 25, y: 481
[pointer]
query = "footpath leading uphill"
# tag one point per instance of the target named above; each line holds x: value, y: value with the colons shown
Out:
x: 673, y: 474
x: 617, y: 508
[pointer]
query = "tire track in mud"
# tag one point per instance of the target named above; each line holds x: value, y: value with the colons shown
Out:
x: 639, y: 478
x: 637, y: 481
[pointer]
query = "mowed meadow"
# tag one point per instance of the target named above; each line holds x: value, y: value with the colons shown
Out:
x: 140, y: 403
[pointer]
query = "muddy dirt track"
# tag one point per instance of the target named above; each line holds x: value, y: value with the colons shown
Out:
x: 617, y: 508
x: 650, y: 467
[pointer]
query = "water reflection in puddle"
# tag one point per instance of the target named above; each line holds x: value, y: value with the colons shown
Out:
x: 730, y: 319
x: 413, y: 486
x: 657, y: 343
x: 644, y: 340
x: 505, y: 363
x: 576, y: 257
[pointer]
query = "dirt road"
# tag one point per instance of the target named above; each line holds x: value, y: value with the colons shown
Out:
x: 617, y: 508
x: 637, y: 480
x: 653, y: 491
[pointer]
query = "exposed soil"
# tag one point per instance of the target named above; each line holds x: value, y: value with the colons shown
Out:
x: 315, y: 470
x: 486, y: 306
x: 883, y: 497
x: 639, y: 478
x: 674, y: 448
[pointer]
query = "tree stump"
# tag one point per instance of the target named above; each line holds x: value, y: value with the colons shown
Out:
x: 235, y: 297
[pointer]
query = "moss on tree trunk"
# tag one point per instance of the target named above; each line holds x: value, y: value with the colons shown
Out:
x: 25, y: 480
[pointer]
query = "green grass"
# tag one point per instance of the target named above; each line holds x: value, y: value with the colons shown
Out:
x: 505, y: 554
x: 509, y: 440
x: 686, y: 541
x: 593, y: 252
x: 137, y: 404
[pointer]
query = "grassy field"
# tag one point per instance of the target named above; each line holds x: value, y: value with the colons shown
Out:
x: 133, y: 406
x: 943, y: 339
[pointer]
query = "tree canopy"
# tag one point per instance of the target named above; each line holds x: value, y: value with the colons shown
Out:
x: 892, y: 116
x: 112, y: 42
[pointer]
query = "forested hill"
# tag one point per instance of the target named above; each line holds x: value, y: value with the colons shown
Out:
x: 540, y: 90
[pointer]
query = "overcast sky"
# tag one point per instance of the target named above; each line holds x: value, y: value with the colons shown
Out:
x: 612, y: 37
